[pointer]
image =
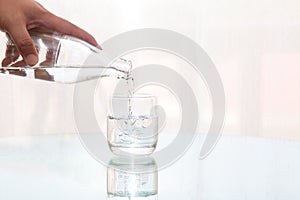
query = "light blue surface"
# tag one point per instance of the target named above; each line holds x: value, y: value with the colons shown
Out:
x: 58, y: 167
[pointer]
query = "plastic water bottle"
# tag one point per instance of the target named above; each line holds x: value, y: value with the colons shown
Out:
x: 62, y: 58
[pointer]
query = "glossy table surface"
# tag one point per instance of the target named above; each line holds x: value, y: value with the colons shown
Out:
x: 59, y: 167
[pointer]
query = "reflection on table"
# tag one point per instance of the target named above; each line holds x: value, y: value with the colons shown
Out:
x: 132, y: 178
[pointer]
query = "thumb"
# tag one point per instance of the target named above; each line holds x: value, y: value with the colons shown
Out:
x: 24, y: 43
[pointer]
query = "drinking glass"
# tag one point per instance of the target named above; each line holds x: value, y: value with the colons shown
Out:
x: 132, y: 124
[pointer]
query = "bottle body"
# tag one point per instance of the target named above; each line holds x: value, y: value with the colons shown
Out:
x: 63, y: 59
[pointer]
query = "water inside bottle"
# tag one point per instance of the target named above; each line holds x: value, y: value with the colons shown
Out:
x: 66, y: 74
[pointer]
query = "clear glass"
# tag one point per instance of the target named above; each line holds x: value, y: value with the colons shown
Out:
x: 132, y: 178
x: 132, y: 124
x: 62, y: 58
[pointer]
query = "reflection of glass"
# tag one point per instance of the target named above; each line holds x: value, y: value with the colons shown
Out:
x: 132, y: 125
x: 132, y: 178
x: 61, y: 58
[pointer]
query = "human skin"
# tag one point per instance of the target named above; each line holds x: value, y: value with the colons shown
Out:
x: 17, y: 17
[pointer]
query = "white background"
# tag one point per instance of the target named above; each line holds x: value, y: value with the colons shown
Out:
x: 254, y: 44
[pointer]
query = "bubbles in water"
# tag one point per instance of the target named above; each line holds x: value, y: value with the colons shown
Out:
x: 137, y: 130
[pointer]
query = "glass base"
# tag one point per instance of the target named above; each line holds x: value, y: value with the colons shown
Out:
x: 132, y: 151
x: 150, y: 197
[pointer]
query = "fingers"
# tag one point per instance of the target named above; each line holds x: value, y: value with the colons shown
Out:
x: 11, y: 55
x: 20, y: 63
x: 18, y: 72
x: 43, y: 74
x: 24, y: 43
x: 63, y: 26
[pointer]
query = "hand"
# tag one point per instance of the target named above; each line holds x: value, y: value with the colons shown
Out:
x: 17, y: 17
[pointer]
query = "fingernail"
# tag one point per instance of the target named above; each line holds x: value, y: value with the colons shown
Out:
x: 99, y: 47
x: 31, y: 59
